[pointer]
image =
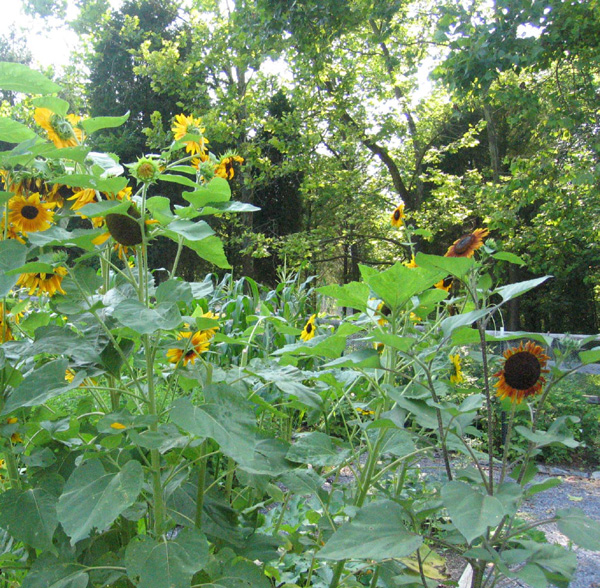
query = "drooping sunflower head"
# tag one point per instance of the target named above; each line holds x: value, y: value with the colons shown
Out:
x: 44, y: 283
x: 309, y: 329
x: 384, y: 311
x: 225, y: 168
x: 195, y: 344
x: 522, y: 374
x: 467, y: 244
x: 29, y: 215
x: 397, y: 217
x: 124, y: 228
x: 444, y: 284
x: 456, y: 377
x: 63, y: 131
x: 190, y: 125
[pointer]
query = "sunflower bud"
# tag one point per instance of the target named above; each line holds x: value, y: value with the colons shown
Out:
x: 124, y: 229
x: 145, y: 170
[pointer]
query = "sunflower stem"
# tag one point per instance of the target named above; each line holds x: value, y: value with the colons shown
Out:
x: 488, y: 400
x: 507, y: 440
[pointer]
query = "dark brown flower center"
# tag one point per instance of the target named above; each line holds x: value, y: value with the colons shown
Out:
x: 464, y: 243
x: 522, y: 370
x: 309, y: 328
x: 29, y: 212
x: 396, y: 214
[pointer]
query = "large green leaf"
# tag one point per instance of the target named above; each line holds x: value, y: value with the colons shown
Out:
x: 233, y: 206
x: 398, y: 284
x: 91, y: 125
x: 12, y: 256
x: 189, y: 230
x: 49, y: 572
x: 376, y: 532
x: 93, y: 498
x: 318, y: 449
x: 29, y: 516
x: 12, y: 131
x: 56, y: 105
x: 108, y: 185
x: 471, y: 511
x: 513, y: 290
x: 41, y: 385
x: 579, y: 528
x: 558, y: 432
x: 226, y: 417
x: 143, y: 320
x: 451, y: 323
x: 352, y: 295
x: 160, y: 208
x: 217, y: 190
x: 455, y: 266
x: 211, y: 249
x: 19, y: 78
x: 161, y: 564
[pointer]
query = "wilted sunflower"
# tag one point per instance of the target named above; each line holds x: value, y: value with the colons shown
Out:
x: 38, y: 283
x: 29, y: 215
x: 62, y: 131
x: 457, y: 376
x: 398, y: 216
x: 522, y: 373
x: 309, y: 329
x: 225, y: 168
x: 467, y: 244
x: 198, y: 343
x: 189, y: 125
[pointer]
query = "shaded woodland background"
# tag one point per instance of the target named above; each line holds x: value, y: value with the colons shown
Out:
x: 328, y: 103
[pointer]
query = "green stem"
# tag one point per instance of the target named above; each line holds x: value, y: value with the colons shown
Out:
x: 201, y: 483
x: 12, y: 469
x: 507, y: 441
x: 488, y: 401
x: 177, y: 256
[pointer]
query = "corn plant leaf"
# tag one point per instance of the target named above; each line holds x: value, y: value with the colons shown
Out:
x: 93, y: 498
x: 377, y: 532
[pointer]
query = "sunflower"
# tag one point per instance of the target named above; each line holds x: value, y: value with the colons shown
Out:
x: 398, y: 215
x: 384, y: 311
x: 467, y: 244
x: 457, y: 375
x: 522, y: 373
x: 309, y: 329
x: 62, y: 131
x: 198, y: 344
x: 38, y: 283
x: 5, y: 331
x: 11, y: 233
x: 411, y: 264
x: 189, y: 125
x: 29, y: 215
x: 444, y: 284
x: 83, y: 197
x: 225, y: 168
x: 210, y: 333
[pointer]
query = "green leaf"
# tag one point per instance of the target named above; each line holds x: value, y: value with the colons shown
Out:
x: 471, y: 511
x: 395, y: 341
x: 32, y: 267
x: 189, y: 230
x: 226, y: 417
x: 510, y: 257
x: 108, y: 185
x: 451, y: 323
x: 455, y: 266
x: 211, y: 249
x: 29, y: 516
x: 41, y: 385
x: 91, y: 125
x: 143, y: 320
x: 174, y: 291
x: 217, y: 190
x: 319, y: 346
x: 93, y: 499
x: 579, y: 528
x: 318, y: 449
x: 232, y: 206
x: 547, y: 484
x: 352, y: 295
x: 105, y: 164
x: 19, y: 78
x: 57, y: 236
x: 177, y: 179
x: 160, y: 209
x: 50, y: 572
x: 56, y: 105
x: 161, y: 564
x: 12, y: 256
x: 12, y: 131
x: 513, y: 290
x: 398, y: 284
x: 590, y: 356
x: 377, y: 532
x: 364, y: 358
x: 558, y: 432
x: 105, y: 207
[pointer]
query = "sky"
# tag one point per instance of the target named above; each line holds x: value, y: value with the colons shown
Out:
x: 49, y: 43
